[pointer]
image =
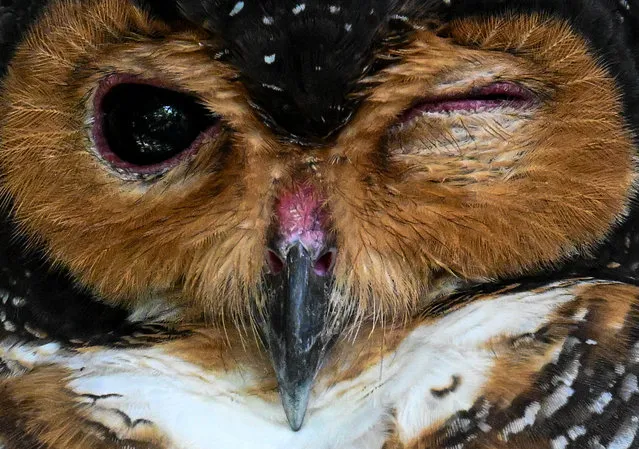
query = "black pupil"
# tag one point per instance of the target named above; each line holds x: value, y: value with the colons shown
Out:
x: 146, y: 125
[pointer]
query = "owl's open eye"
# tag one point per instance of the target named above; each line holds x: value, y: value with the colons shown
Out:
x: 146, y: 129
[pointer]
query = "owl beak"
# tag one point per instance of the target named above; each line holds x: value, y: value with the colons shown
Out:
x: 294, y: 327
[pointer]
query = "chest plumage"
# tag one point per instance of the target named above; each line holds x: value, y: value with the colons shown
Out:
x: 305, y: 225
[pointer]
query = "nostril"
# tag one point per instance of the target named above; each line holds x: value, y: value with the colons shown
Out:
x: 275, y: 263
x: 324, y: 264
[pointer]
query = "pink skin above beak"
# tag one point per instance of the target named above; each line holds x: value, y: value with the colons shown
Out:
x: 302, y: 220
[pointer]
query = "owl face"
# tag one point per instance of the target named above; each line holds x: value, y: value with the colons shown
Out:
x: 304, y: 187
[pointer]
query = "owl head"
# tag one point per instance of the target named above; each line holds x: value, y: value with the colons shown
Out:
x: 300, y: 168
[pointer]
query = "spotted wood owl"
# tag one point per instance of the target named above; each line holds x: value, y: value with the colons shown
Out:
x: 373, y: 224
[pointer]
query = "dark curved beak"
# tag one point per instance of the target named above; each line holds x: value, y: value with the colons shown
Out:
x: 294, y: 328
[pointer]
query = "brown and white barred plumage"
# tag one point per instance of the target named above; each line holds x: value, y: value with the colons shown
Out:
x: 553, y: 367
x: 456, y: 319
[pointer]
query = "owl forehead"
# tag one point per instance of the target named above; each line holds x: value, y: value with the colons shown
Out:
x: 302, y: 61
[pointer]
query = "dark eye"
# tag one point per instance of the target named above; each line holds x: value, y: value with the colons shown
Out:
x: 146, y: 129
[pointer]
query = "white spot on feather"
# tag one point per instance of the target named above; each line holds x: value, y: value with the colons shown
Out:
x: 334, y: 9
x: 581, y: 314
x: 576, y: 431
x: 556, y: 400
x: 236, y: 9
x: 269, y: 59
x: 516, y: 426
x: 561, y: 442
x: 556, y: 353
x: 268, y: 20
x: 628, y: 387
x: 626, y: 435
x: 299, y: 8
x: 568, y: 376
x: 272, y: 87
x: 602, y: 401
x: 35, y: 332
x: 156, y: 310
x: 48, y: 349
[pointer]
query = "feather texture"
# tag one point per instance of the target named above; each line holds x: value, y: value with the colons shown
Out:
x: 441, y: 193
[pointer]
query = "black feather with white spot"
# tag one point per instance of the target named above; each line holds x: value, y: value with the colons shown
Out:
x: 301, y: 61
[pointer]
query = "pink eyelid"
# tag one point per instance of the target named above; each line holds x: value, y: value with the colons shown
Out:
x: 102, y: 146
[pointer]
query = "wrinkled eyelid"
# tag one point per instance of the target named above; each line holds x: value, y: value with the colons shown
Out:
x: 491, y: 97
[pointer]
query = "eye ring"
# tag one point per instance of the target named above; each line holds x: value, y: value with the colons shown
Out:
x: 208, y: 126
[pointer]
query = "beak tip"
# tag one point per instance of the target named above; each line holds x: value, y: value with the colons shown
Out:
x: 295, y: 402
x: 295, y: 422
